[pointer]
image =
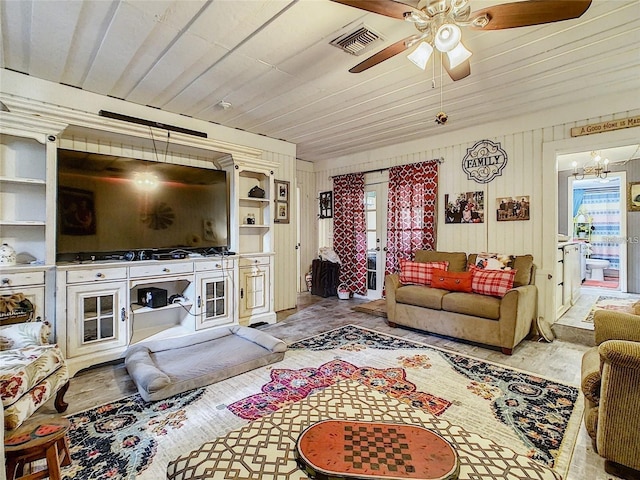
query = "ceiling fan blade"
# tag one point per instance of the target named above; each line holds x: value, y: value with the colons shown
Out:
x: 383, y: 7
x: 458, y: 73
x: 530, y: 12
x: 384, y: 54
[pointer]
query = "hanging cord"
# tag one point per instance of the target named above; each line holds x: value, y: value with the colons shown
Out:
x: 155, y: 150
x: 441, y: 82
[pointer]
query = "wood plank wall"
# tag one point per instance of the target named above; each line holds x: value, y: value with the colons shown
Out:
x: 530, y: 171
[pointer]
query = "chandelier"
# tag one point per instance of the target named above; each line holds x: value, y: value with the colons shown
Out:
x: 599, y: 167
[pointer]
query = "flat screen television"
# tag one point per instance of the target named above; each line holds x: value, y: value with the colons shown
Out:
x: 111, y: 207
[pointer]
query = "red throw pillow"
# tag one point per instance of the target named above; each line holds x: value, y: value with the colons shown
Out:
x: 492, y: 282
x: 419, y: 273
x: 453, y: 281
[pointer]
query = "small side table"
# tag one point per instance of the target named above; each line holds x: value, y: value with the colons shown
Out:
x: 37, y: 441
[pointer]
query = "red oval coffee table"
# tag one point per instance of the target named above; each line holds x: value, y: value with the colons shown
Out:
x: 345, y: 449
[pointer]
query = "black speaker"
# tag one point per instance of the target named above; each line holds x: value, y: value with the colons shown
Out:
x: 152, y: 297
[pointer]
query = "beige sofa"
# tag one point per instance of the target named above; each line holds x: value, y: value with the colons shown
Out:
x: 500, y: 322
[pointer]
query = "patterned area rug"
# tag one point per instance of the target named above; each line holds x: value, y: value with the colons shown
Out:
x: 612, y: 303
x: 376, y: 307
x: 531, y: 420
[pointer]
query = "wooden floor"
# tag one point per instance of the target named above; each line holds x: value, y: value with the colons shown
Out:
x: 559, y: 360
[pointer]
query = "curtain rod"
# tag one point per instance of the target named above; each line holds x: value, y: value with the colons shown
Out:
x: 437, y: 160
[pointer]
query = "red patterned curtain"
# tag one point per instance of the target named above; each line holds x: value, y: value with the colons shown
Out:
x: 349, y: 230
x: 411, y: 214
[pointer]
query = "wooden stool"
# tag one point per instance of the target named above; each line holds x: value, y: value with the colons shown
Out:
x: 46, y: 440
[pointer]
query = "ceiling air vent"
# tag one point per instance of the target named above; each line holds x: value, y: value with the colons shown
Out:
x: 358, y: 41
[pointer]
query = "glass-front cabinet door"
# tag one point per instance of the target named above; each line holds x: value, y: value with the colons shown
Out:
x: 214, y: 301
x: 97, y: 318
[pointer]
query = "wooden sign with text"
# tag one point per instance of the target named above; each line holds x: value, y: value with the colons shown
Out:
x: 606, y: 126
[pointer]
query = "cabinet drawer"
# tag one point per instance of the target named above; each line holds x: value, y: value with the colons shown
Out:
x: 21, y: 279
x: 96, y: 274
x: 253, y: 261
x: 213, y: 265
x: 154, y: 270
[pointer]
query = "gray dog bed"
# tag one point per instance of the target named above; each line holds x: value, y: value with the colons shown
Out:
x: 162, y: 368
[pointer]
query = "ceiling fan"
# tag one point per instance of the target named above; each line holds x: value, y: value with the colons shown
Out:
x: 438, y: 23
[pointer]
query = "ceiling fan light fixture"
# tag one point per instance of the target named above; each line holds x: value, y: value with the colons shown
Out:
x: 448, y: 37
x: 420, y: 56
x: 458, y: 55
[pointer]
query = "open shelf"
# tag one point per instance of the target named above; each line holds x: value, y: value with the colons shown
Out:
x: 140, y: 309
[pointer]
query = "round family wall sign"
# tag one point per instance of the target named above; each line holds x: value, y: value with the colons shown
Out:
x: 484, y: 161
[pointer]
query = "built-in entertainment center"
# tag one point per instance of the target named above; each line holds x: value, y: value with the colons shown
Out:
x: 117, y: 244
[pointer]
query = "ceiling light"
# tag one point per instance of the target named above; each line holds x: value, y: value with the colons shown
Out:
x: 420, y: 56
x: 224, y: 105
x: 145, y: 180
x: 448, y: 37
x: 600, y: 169
x: 458, y: 55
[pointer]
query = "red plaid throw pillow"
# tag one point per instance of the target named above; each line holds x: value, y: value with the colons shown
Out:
x: 491, y: 282
x: 419, y: 273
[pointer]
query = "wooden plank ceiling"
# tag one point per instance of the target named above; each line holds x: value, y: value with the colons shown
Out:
x: 272, y: 61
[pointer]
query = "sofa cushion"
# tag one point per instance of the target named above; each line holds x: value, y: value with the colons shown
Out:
x: 472, y: 304
x: 419, y: 273
x: 493, y: 261
x: 491, y: 282
x: 457, y: 260
x: 452, y: 281
x: 421, y: 296
x: 522, y: 263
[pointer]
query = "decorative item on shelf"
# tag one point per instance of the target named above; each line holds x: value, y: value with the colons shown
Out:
x: 326, y: 204
x: 256, y: 192
x: 7, y: 255
x: 15, y: 308
x: 282, y: 201
x: 251, y: 219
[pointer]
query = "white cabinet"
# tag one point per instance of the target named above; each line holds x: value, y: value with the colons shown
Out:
x: 568, y: 277
x: 96, y: 318
x: 101, y: 304
x: 256, y: 302
x: 252, y: 207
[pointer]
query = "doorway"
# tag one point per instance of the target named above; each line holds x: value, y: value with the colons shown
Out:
x: 598, y: 217
x: 376, y: 191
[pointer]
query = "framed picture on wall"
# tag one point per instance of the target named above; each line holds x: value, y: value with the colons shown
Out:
x: 282, y: 212
x: 467, y: 207
x: 326, y: 204
x: 281, y: 201
x: 77, y: 212
x: 633, y: 197
x: 512, y: 208
x: 282, y: 190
